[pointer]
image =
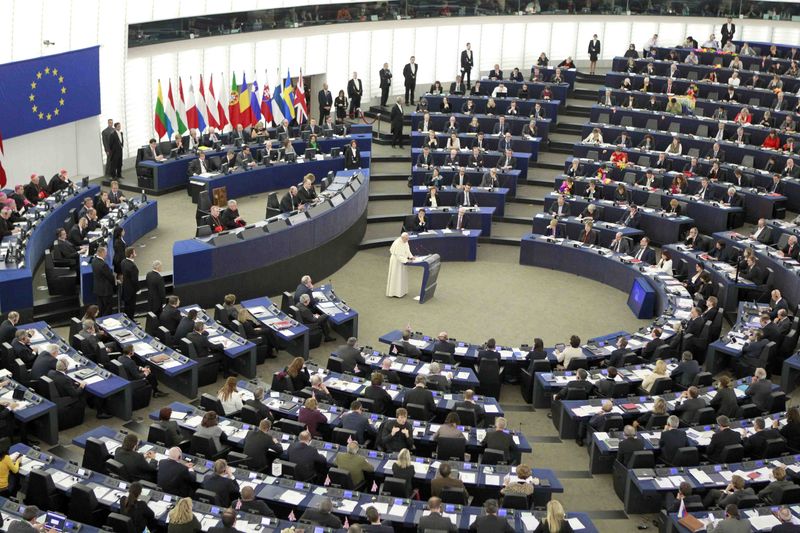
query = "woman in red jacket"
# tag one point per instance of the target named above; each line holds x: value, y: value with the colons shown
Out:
x: 772, y: 141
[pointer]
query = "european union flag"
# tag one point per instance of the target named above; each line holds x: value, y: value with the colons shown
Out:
x: 49, y: 91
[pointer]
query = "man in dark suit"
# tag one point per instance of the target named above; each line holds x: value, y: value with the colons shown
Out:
x: 356, y: 420
x: 776, y: 303
x: 228, y: 521
x: 671, y: 439
x: 605, y: 386
x: 135, y: 372
x: 44, y: 362
x: 375, y: 524
x: 152, y: 152
x: 21, y: 348
x: 78, y: 233
x: 644, y: 253
x: 406, y: 346
x: 8, y: 329
x: 352, y: 359
x: 201, y: 165
x: 397, y: 122
x: 68, y: 388
x: 308, y: 460
x: 488, y: 351
x: 257, y: 403
x: 617, y: 357
x: 104, y: 281
x: 580, y: 384
x: 501, y: 439
x: 322, y: 516
x: 458, y: 87
x: 419, y: 395
x: 240, y: 136
x: 90, y: 345
x: 630, y: 444
x: 385, y: 76
x: 716, y: 153
x: 723, y: 437
x: 460, y: 220
x: 174, y: 476
x: 443, y: 345
x: 727, y: 31
x: 756, y: 444
x: 248, y: 503
x: 760, y: 390
x: 469, y: 403
x: 672, y: 503
x: 619, y: 244
x: 732, y: 198
x: 465, y: 198
x: 354, y: 91
x: 315, y: 321
x: 260, y: 447
x: 156, y: 290
x: 170, y: 316
x: 202, y: 346
x: 130, y: 282
x: 632, y: 218
x: 467, y: 62
x: 116, y: 141
x: 687, y: 369
x: 221, y: 482
x: 325, y: 101
x: 290, y: 201
x: 435, y: 521
x: 410, y: 80
x: 754, y: 347
x: 138, y: 465
x: 490, y: 522
x: 655, y: 342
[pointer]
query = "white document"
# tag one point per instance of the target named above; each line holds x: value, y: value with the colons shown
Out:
x: 398, y: 511
x: 529, y: 521
x: 292, y: 497
x: 575, y: 523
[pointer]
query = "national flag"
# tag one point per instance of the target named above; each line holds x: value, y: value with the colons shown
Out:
x: 3, y: 177
x: 202, y: 107
x: 233, y: 104
x: 291, y: 516
x: 212, y: 106
x: 180, y: 110
x: 255, y: 109
x: 300, y: 104
x: 160, y: 121
x: 277, y: 114
x: 682, y: 509
x: 266, y: 105
x: 191, y: 108
x: 172, y: 124
x: 245, y: 116
x: 346, y: 524
x: 285, y: 101
x: 374, y: 487
x: 327, y: 481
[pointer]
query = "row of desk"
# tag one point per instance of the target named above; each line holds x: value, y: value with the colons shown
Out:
x: 519, y: 143
x: 483, y: 196
x: 173, y: 173
x: 507, y: 178
x: 514, y: 123
x: 479, y: 102
x: 477, y: 217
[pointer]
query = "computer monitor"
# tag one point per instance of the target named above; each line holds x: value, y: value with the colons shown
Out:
x: 320, y: 208
x: 336, y: 199
x: 642, y: 299
x: 251, y: 231
x: 311, y: 153
x: 298, y: 218
x: 292, y: 157
x: 226, y: 237
x: 276, y: 225
x: 336, y: 151
x: 55, y: 521
x: 347, y: 192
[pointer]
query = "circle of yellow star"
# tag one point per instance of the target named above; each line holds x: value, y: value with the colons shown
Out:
x: 56, y: 111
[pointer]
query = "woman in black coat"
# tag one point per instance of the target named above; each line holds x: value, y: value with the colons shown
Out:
x: 594, y: 52
x: 141, y: 515
x: 724, y: 402
x: 119, y: 245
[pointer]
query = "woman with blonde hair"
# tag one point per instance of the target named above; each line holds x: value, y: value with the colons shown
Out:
x: 654, y: 419
x: 403, y: 468
x: 230, y: 397
x: 181, y: 518
x: 555, y: 521
x: 660, y: 371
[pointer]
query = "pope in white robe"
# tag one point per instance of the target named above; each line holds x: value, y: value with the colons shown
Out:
x: 400, y: 254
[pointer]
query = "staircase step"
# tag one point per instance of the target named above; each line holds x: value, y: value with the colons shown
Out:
x: 590, y: 78
x: 584, y: 94
x: 541, y: 182
x: 375, y: 243
x: 526, y: 200
x: 525, y: 221
x: 388, y: 177
x: 548, y: 166
x: 399, y: 158
x: 377, y: 197
x: 561, y: 150
x: 572, y: 129
x: 377, y: 219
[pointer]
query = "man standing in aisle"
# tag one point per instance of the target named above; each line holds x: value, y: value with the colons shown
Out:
x: 354, y: 90
x: 104, y: 281
x: 727, y: 31
x: 105, y: 135
x: 386, y: 82
x: 467, y: 62
x: 397, y: 283
x: 325, y: 99
x: 397, y: 123
x: 115, y: 143
x: 410, y: 75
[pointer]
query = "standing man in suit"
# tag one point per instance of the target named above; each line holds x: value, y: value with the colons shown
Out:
x: 260, y: 446
x: 105, y: 135
x: 156, y: 291
x: 410, y: 75
x: 354, y: 91
x: 116, y: 141
x: 352, y: 157
x: 727, y: 31
x: 397, y: 122
x: 352, y: 358
x: 104, y: 281
x: 421, y: 396
x: 130, y: 282
x: 467, y: 62
x: 308, y: 460
x: 776, y: 303
x: 325, y: 101
x: 386, y: 82
x: 170, y: 316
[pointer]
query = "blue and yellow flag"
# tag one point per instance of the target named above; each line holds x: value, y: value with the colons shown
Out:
x: 286, y: 98
x: 49, y: 91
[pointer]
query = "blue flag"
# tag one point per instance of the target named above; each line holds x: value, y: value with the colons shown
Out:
x: 49, y: 91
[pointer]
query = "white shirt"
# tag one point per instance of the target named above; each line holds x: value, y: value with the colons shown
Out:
x: 233, y: 404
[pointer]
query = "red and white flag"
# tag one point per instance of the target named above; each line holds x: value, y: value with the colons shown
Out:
x: 3, y: 179
x: 191, y: 108
x: 291, y: 517
x: 682, y: 509
x: 222, y: 110
x: 300, y: 104
x: 202, y: 107
x: 211, y: 105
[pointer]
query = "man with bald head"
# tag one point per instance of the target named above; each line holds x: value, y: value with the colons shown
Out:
x: 290, y: 202
x: 443, y: 345
x: 174, y: 475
